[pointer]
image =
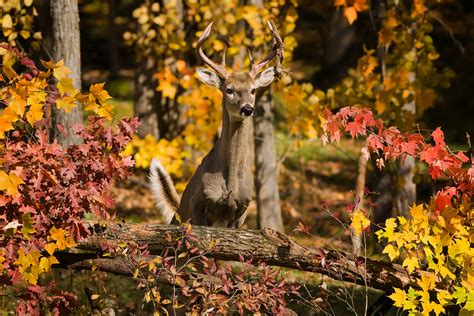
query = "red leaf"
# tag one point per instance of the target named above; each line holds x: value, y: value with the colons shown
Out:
x: 444, y: 197
x: 355, y: 128
x: 438, y: 137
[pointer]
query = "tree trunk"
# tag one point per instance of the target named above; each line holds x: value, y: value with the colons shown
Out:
x: 66, y: 46
x: 266, y: 246
x: 266, y: 173
x: 113, y: 47
x: 405, y: 188
x: 146, y: 99
x: 357, y: 245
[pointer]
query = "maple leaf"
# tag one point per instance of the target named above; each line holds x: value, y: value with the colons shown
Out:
x: 60, y: 71
x: 443, y: 198
x: 65, y: 87
x: 355, y: 128
x: 427, y: 282
x: 438, y: 137
x: 35, y: 113
x: 17, y: 104
x: 66, y: 103
x: 97, y: 90
x: 411, y: 263
x: 10, y: 182
x: 399, y: 297
x: 359, y: 221
x: 392, y: 252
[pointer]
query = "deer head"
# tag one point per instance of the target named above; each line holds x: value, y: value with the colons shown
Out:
x: 239, y: 89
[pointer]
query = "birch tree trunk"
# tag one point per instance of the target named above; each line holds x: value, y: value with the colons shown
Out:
x: 66, y: 46
x: 357, y: 245
x: 266, y: 172
x: 266, y: 175
x: 405, y: 188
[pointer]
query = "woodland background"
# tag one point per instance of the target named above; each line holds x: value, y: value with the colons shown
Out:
x: 410, y: 62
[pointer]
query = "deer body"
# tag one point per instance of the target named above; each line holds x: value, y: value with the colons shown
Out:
x: 221, y: 188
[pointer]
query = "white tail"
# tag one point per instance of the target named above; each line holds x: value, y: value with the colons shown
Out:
x: 163, y: 190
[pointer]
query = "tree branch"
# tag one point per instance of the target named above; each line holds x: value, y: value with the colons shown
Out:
x: 267, y: 246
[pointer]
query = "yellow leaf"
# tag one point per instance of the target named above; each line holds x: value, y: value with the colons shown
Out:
x: 10, y: 182
x: 399, y: 297
x: 392, y: 252
x: 411, y: 263
x: 18, y: 105
x: 60, y: 71
x: 417, y: 212
x: 52, y: 260
x: 50, y: 248
x: 57, y: 234
x: 44, y: 264
x: 7, y: 24
x: 65, y: 86
x: 66, y: 103
x: 427, y: 282
x: 28, y: 3
x: 359, y: 221
x: 35, y: 113
x: 106, y: 111
x: 99, y: 93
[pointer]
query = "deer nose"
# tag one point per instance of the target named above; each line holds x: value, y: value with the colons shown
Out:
x: 246, y: 110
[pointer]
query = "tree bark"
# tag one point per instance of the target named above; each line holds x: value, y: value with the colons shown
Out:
x: 266, y: 173
x: 147, y: 102
x: 357, y: 245
x: 267, y: 246
x: 114, y: 57
x: 66, y: 46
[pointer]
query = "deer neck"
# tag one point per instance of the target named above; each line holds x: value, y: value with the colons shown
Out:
x: 234, y: 150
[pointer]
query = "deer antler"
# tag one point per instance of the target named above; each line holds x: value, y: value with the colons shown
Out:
x: 277, y: 50
x: 220, y: 69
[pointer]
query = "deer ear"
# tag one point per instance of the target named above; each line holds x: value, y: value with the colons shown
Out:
x: 209, y: 77
x: 265, y: 77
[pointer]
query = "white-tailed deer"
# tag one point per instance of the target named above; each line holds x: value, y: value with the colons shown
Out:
x: 221, y: 188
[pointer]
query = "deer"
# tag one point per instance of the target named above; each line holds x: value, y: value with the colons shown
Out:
x: 221, y: 188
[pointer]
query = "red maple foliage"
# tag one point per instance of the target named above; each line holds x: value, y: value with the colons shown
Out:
x: 391, y: 143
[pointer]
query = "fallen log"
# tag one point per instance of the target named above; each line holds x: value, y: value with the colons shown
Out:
x: 268, y: 246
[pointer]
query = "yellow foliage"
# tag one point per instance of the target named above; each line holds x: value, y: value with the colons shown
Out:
x: 442, y: 244
x: 9, y: 182
x: 359, y: 221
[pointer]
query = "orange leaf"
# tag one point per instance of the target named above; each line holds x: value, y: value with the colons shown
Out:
x: 351, y: 14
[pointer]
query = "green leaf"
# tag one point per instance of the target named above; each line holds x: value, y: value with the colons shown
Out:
x: 27, y: 228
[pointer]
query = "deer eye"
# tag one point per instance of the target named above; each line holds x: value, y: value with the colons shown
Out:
x: 252, y: 91
x: 229, y: 90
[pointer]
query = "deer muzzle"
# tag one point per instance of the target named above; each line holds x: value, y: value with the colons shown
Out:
x: 246, y: 110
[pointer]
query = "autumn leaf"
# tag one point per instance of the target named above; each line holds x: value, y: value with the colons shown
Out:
x: 359, y: 221
x: 65, y: 87
x: 10, y: 182
x: 97, y: 90
x: 35, y: 113
x: 399, y: 297
x: 411, y: 263
x: 27, y: 228
x: 66, y: 103
x: 392, y: 252
x: 60, y: 71
x: 50, y: 248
